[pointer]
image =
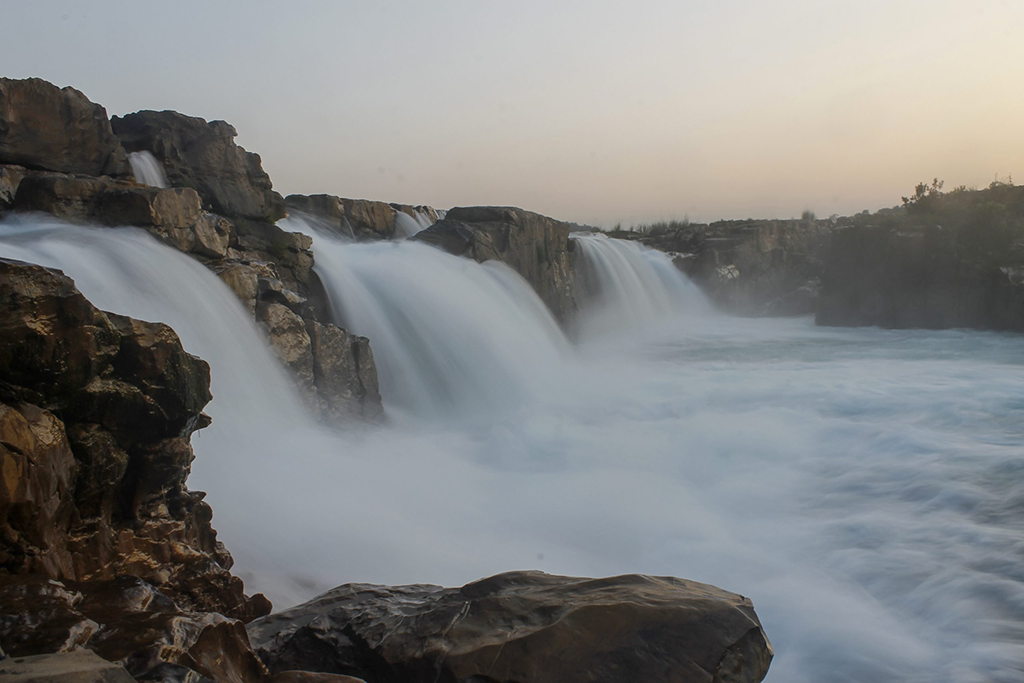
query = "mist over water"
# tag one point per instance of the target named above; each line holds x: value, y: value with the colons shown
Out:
x: 864, y: 487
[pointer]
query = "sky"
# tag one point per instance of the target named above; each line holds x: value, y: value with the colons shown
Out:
x: 591, y: 111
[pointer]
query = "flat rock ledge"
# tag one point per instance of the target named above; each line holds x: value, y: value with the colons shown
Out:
x: 522, y: 627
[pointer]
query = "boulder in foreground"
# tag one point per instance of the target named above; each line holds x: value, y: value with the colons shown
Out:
x: 522, y: 626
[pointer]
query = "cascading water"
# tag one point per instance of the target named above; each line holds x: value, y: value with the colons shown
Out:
x: 147, y: 169
x: 449, y: 335
x: 862, y: 486
x: 127, y: 271
x: 625, y: 286
x: 407, y: 226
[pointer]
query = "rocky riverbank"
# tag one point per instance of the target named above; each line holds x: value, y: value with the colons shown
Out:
x: 943, y: 260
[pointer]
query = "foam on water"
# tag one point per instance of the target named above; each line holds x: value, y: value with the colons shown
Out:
x: 864, y: 487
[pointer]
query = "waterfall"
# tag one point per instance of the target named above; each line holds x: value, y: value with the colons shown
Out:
x: 624, y: 285
x: 147, y: 169
x: 449, y: 335
x: 127, y: 271
x: 407, y: 226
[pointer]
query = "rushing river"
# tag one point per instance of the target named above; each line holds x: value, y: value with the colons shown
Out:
x: 864, y: 487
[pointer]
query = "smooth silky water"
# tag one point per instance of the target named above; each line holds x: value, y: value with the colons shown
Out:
x: 864, y: 487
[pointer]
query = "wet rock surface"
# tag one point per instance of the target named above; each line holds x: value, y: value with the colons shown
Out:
x: 535, y: 246
x: 47, y: 128
x: 99, y: 491
x: 522, y: 626
x: 128, y: 622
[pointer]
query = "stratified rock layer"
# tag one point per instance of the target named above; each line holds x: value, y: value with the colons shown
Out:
x: 522, y: 626
x: 47, y: 128
x: 535, y: 246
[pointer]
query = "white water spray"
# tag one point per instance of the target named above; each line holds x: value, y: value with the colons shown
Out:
x: 147, y: 169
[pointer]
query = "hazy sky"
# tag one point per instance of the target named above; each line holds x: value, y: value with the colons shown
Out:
x: 591, y: 110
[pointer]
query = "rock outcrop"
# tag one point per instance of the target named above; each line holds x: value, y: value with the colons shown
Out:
x: 43, y: 127
x: 361, y: 220
x: 535, y: 246
x: 522, y: 626
x: 97, y: 410
x: 175, y: 215
x: 101, y: 544
x: 203, y: 156
x: 127, y: 622
x: 930, y: 277
x: 754, y: 268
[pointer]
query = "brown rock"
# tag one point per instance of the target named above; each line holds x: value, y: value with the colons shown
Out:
x: 57, y: 129
x: 126, y: 621
x: 535, y: 246
x: 213, y: 236
x: 523, y: 626
x: 10, y: 178
x: 108, y: 202
x: 243, y: 280
x: 204, y: 157
x: 358, y: 219
x: 287, y: 335
x: 344, y: 373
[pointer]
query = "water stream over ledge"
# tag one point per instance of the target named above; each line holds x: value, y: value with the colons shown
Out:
x: 864, y: 487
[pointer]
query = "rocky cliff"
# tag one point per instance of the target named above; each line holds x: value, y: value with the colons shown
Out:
x: 751, y: 267
x: 942, y: 259
x: 96, y: 414
x: 220, y: 210
x: 535, y: 246
x: 926, y: 277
